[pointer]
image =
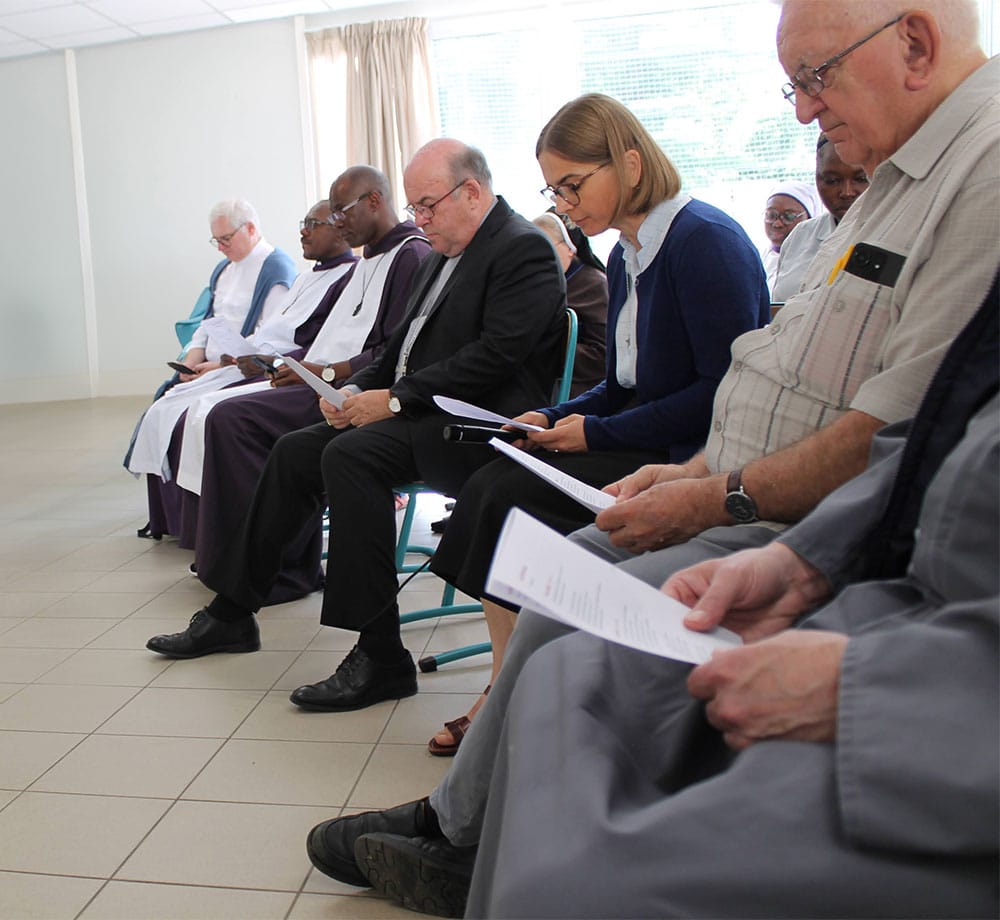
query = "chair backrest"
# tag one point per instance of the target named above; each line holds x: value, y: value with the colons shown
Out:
x: 185, y: 328
x: 564, y: 382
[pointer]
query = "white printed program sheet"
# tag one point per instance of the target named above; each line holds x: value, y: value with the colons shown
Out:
x: 536, y: 567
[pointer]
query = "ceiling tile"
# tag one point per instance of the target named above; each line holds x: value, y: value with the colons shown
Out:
x: 64, y: 20
x: 274, y: 10
x: 128, y: 12
x: 183, y: 24
x: 27, y: 6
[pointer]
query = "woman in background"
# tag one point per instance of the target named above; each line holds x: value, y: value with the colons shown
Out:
x: 839, y: 186
x: 788, y: 204
x: 586, y: 293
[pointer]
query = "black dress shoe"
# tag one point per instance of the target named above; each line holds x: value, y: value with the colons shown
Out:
x: 330, y: 845
x: 359, y: 681
x: 427, y: 875
x: 205, y: 635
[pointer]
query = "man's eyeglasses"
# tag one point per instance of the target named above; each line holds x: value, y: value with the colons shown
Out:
x: 786, y: 217
x: 340, y: 214
x: 569, y: 191
x: 227, y: 238
x: 809, y: 80
x: 310, y: 223
x: 426, y: 211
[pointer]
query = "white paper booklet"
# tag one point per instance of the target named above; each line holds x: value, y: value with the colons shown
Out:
x: 318, y: 384
x: 228, y: 340
x: 535, y: 567
x: 588, y: 496
x: 467, y: 410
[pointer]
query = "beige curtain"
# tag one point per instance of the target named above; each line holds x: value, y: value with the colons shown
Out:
x: 373, y: 98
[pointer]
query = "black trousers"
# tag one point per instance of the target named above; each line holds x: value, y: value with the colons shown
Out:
x: 465, y: 552
x: 353, y: 471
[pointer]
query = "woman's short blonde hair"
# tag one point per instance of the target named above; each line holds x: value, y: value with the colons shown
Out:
x: 598, y: 129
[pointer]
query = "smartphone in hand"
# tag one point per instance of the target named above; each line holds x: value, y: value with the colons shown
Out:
x: 180, y: 368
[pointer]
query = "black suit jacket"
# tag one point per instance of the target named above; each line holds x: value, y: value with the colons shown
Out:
x: 497, y: 334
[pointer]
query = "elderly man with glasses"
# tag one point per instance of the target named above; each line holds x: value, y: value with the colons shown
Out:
x: 248, y: 286
x: 290, y: 330
x: 485, y: 323
x: 917, y: 105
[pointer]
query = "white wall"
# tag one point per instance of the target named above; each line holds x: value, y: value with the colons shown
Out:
x: 167, y: 126
x: 41, y: 297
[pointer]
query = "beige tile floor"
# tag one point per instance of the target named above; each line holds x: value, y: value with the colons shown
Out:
x: 134, y: 787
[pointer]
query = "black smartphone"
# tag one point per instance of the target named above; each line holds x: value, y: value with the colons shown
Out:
x: 180, y: 368
x: 874, y: 264
x: 479, y: 434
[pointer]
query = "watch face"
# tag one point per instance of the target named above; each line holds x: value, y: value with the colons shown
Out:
x: 329, y: 374
x: 741, y: 507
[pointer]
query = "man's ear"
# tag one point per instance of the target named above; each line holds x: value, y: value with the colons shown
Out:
x: 475, y: 189
x: 922, y: 39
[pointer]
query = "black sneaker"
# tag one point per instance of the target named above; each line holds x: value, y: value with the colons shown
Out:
x: 423, y: 874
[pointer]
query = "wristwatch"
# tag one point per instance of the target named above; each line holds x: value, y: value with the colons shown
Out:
x: 395, y: 406
x: 740, y: 506
x: 328, y: 373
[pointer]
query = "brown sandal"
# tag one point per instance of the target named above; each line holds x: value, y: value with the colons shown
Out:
x: 457, y: 729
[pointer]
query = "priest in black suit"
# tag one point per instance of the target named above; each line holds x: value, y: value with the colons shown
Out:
x: 485, y: 323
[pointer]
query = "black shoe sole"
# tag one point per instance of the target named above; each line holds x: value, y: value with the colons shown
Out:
x: 390, y: 694
x: 342, y: 872
x: 233, y: 649
x: 405, y: 875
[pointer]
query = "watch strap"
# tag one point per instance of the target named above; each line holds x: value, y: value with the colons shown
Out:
x: 734, y: 482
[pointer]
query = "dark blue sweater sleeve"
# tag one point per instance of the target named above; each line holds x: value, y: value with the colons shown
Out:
x: 705, y: 287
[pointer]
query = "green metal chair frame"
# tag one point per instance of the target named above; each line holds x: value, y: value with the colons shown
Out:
x: 448, y: 607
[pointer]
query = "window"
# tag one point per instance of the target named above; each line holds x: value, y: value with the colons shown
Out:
x: 704, y: 79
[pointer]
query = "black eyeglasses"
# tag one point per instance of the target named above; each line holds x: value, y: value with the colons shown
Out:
x: 569, y: 191
x: 340, y: 214
x: 426, y: 211
x: 310, y: 223
x: 809, y: 80
x: 786, y: 217
x: 226, y: 239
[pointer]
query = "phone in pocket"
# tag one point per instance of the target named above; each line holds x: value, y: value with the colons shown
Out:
x: 874, y: 264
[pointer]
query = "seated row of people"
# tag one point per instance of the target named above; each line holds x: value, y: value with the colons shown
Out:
x: 793, y: 418
x: 669, y: 340
x: 854, y: 735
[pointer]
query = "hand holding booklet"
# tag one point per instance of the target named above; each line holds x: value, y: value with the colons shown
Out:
x: 319, y: 385
x: 535, y: 567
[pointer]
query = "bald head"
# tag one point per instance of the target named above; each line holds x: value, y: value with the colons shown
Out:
x: 453, y: 160
x: 876, y: 97
x: 449, y: 185
x: 361, y: 202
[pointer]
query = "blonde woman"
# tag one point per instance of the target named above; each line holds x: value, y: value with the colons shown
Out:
x: 684, y: 280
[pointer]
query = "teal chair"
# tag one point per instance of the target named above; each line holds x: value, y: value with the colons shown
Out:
x: 185, y: 328
x: 448, y: 607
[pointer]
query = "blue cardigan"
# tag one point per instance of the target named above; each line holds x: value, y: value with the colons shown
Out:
x: 705, y: 287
